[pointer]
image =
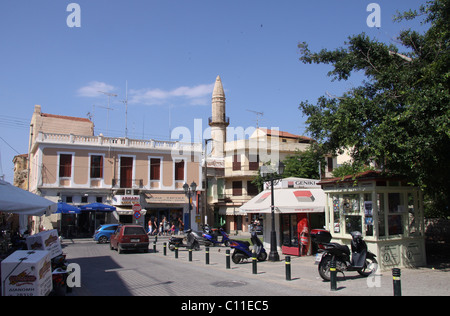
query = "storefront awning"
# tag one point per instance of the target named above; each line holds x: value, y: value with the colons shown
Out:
x: 287, y: 201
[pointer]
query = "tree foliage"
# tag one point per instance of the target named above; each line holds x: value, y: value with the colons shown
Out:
x: 399, y: 115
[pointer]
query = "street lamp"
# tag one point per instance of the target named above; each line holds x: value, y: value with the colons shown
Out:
x: 273, y: 175
x: 190, y: 191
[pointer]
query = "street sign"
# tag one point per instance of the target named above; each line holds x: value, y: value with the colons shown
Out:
x: 137, y: 207
x: 137, y: 210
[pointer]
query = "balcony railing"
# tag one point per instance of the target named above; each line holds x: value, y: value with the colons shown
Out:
x: 128, y: 183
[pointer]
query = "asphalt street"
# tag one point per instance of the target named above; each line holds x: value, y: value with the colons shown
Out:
x: 106, y: 273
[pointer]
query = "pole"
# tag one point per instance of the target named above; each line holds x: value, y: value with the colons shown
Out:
x: 254, y: 263
x: 333, y: 275
x: 288, y: 268
x: 273, y: 255
x: 228, y: 259
x: 396, y: 272
x: 207, y: 255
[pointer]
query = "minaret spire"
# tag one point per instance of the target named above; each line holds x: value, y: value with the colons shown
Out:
x: 218, y: 121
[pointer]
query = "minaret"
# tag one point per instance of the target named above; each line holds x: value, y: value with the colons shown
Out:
x: 218, y: 121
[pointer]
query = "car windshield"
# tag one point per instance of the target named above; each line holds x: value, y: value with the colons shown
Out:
x: 134, y: 231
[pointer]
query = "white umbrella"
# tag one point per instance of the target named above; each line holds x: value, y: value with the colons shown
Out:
x: 18, y: 201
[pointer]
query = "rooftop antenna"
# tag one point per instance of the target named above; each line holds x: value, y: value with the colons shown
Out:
x: 126, y: 108
x: 258, y: 116
x: 108, y: 108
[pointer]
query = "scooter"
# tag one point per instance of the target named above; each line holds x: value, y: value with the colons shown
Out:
x: 210, y: 236
x: 362, y: 260
x: 242, y: 249
x: 192, y: 241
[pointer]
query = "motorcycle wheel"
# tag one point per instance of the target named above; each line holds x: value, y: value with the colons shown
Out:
x: 171, y: 247
x: 370, y: 266
x: 237, y: 257
x: 324, y: 268
x: 262, y: 256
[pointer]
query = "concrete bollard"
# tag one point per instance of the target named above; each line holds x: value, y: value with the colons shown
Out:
x: 333, y: 275
x: 254, y: 263
x: 287, y: 260
x: 396, y: 273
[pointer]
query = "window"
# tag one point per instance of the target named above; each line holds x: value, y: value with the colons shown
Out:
x: 155, y: 169
x: 236, y: 162
x: 253, y: 162
x: 96, y: 166
x: 65, y: 166
x: 179, y: 170
x: 252, y: 189
x: 330, y: 164
x: 237, y: 188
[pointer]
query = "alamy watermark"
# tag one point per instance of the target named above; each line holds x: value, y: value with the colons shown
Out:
x: 374, y: 18
x: 74, y: 18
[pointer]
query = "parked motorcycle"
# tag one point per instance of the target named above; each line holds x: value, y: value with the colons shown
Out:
x: 361, y: 260
x: 242, y: 249
x: 211, y: 235
x: 193, y: 240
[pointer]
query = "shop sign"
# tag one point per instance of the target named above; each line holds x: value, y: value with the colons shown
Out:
x: 126, y: 199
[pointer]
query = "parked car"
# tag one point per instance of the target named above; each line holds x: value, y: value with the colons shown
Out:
x: 129, y: 237
x: 104, y: 232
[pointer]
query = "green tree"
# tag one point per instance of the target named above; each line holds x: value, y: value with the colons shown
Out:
x: 399, y: 115
x: 302, y: 164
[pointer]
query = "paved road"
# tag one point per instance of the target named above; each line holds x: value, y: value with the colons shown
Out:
x: 105, y: 272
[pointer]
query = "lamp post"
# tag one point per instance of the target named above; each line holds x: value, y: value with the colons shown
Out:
x: 206, y: 183
x: 189, y: 191
x: 273, y: 175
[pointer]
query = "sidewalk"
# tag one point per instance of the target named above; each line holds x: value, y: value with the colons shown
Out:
x: 304, y: 275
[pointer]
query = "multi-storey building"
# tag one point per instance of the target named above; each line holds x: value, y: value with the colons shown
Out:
x: 69, y: 164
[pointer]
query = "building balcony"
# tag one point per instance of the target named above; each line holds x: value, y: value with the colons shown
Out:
x: 120, y: 142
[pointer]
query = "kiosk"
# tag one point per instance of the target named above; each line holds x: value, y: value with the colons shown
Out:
x: 385, y: 209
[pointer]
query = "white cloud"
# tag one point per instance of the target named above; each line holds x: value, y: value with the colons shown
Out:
x: 93, y: 88
x: 197, y: 95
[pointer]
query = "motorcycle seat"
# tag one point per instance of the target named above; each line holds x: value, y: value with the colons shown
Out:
x: 340, y: 247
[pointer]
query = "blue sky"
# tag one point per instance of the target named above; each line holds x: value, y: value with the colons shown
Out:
x: 170, y: 52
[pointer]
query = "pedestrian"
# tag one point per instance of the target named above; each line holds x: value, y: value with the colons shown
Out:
x: 150, y: 228
x: 172, y: 229
x: 180, y: 226
x: 161, y: 229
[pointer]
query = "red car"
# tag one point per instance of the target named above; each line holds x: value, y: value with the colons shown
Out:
x: 129, y: 237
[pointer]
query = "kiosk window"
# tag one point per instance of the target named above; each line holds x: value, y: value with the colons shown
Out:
x: 381, y: 220
x: 395, y: 216
x: 351, y: 209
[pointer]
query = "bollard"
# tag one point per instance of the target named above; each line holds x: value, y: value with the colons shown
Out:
x: 207, y: 255
x: 154, y: 246
x: 396, y: 272
x: 190, y: 254
x: 156, y: 238
x: 176, y: 252
x: 288, y: 268
x: 254, y: 263
x: 165, y: 249
x: 228, y: 259
x: 333, y: 275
